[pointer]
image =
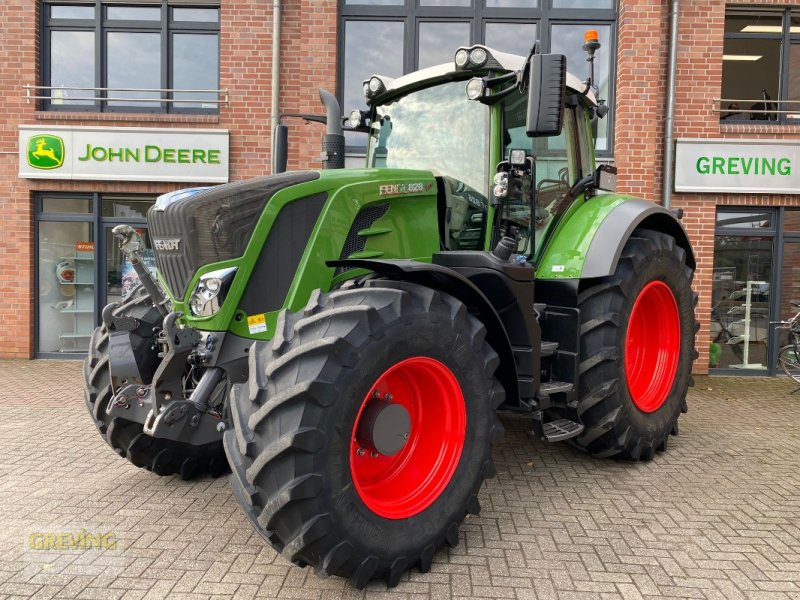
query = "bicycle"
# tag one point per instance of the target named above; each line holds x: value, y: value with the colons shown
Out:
x: 789, y: 355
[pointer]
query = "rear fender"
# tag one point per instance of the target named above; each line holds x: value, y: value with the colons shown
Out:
x: 451, y: 282
x: 589, y: 244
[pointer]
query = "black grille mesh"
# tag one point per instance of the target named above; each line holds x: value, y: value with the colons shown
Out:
x: 365, y: 218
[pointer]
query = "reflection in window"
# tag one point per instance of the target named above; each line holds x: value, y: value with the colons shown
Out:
x: 439, y: 112
x: 138, y: 48
x: 370, y: 48
x: 514, y: 38
x: 72, y: 12
x: 512, y: 3
x: 568, y: 40
x: 740, y: 289
x: 144, y: 72
x: 71, y: 66
x: 583, y: 3
x: 431, y: 49
x: 758, y: 44
x: 195, y: 59
x: 744, y: 220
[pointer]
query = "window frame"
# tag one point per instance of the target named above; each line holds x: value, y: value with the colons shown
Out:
x: 478, y: 15
x: 100, y: 26
x: 786, y: 39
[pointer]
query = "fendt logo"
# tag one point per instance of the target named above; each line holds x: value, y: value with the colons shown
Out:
x: 45, y: 152
x: 167, y: 243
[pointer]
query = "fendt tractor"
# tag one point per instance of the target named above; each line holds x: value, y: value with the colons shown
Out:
x: 342, y: 339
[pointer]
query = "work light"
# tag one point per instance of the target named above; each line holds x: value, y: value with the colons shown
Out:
x: 210, y: 292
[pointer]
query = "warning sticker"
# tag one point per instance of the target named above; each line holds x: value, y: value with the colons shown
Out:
x: 257, y: 323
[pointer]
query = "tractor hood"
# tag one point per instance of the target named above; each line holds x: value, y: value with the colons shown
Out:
x: 210, y: 225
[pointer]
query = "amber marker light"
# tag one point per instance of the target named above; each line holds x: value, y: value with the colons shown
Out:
x: 591, y: 35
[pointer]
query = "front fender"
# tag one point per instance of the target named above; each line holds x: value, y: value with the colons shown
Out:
x: 590, y: 242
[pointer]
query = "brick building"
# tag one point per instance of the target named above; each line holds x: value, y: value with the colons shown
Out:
x: 155, y: 95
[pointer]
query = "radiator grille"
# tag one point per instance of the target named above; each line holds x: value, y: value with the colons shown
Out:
x: 365, y: 218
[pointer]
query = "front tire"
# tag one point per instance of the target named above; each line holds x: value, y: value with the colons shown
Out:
x: 636, y: 350
x: 302, y: 470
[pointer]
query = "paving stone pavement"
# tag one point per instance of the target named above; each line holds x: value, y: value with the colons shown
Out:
x: 716, y: 516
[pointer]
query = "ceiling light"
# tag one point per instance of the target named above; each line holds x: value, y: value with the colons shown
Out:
x: 768, y: 29
x: 747, y: 57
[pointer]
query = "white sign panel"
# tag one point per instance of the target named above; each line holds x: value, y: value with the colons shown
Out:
x: 123, y: 154
x: 739, y: 166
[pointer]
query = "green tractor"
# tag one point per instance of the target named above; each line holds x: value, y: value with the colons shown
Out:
x: 342, y: 339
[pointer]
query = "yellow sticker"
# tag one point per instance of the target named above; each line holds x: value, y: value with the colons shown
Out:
x: 257, y: 323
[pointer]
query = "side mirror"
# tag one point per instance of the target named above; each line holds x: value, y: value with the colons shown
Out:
x: 281, y: 148
x: 605, y: 178
x: 547, y: 82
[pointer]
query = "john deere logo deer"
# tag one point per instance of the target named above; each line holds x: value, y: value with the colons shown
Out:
x: 45, y: 152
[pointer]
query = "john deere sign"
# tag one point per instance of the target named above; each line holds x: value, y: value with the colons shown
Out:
x: 738, y: 166
x: 123, y: 154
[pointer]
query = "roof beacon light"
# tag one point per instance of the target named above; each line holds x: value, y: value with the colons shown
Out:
x: 591, y: 44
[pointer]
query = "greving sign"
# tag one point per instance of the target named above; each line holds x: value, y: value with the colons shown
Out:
x: 738, y: 166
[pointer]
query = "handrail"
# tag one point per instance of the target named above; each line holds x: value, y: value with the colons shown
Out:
x: 31, y: 93
x: 717, y: 108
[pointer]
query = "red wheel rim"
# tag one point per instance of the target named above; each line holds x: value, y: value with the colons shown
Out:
x: 652, y: 346
x: 408, y: 482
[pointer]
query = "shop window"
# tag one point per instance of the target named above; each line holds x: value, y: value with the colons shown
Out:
x: 393, y: 37
x: 87, y: 50
x: 79, y: 267
x: 761, y: 62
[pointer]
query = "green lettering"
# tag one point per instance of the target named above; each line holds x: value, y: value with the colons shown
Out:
x: 718, y: 165
x: 784, y: 167
x: 213, y: 157
x: 99, y: 154
x: 702, y: 165
x: 131, y: 155
x: 112, y: 155
x: 746, y: 164
x: 183, y: 155
x: 152, y: 154
x: 88, y: 153
x: 733, y: 165
x: 169, y: 155
x: 768, y: 164
x: 198, y: 156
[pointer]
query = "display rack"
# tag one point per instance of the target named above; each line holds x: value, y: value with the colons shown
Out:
x: 745, y: 337
x: 80, y: 309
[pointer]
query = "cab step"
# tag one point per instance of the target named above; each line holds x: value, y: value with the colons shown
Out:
x: 549, y: 349
x: 549, y: 388
x: 560, y: 430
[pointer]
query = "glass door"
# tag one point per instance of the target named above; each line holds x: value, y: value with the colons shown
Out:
x: 66, y: 286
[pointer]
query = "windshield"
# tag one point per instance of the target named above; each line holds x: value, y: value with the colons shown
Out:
x: 436, y: 129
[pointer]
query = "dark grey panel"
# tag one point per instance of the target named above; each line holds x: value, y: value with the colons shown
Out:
x: 276, y: 266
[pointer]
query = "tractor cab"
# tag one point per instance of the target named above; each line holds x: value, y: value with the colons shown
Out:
x: 508, y: 140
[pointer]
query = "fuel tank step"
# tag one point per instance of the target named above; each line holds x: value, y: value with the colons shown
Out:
x: 549, y: 348
x: 554, y: 387
x: 560, y: 430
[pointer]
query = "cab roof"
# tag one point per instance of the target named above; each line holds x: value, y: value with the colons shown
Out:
x: 498, y: 63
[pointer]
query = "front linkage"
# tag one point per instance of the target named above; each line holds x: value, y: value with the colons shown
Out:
x: 151, y: 396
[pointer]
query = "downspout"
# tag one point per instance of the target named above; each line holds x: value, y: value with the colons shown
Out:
x: 275, y: 80
x: 669, y: 121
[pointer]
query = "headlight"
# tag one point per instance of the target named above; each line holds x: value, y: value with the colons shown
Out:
x: 478, y: 57
x: 210, y: 292
x: 475, y: 88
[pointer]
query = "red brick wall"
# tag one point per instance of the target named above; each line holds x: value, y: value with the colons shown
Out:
x: 308, y: 45
x: 640, y: 108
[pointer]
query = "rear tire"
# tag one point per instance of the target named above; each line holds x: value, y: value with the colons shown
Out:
x: 127, y: 438
x: 636, y: 350
x: 294, y: 450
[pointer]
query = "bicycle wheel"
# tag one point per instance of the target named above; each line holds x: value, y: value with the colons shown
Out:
x: 789, y: 359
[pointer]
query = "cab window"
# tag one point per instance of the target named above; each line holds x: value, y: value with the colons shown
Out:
x: 556, y: 171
